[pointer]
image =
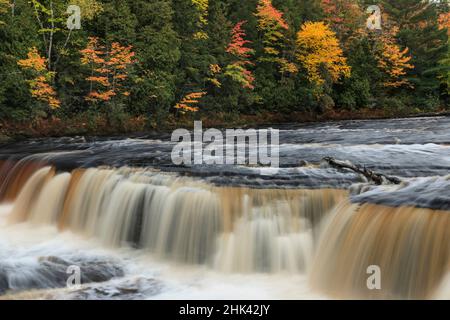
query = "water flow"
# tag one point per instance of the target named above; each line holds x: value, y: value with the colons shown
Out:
x: 244, y: 230
x: 180, y: 219
x: 411, y: 246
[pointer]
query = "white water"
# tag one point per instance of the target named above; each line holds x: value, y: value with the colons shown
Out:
x: 175, y: 281
x: 176, y: 237
x: 230, y: 232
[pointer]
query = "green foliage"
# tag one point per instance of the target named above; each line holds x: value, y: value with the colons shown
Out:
x: 417, y: 21
x: 173, y: 60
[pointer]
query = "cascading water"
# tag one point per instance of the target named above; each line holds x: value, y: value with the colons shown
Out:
x: 303, y: 229
x: 180, y: 219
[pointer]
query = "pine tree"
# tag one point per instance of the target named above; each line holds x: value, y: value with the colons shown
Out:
x: 158, y: 51
x: 417, y: 22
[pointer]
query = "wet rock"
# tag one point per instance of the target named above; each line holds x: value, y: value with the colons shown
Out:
x: 124, y: 289
x: 52, y: 272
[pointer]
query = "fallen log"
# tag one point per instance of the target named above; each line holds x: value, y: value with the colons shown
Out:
x: 377, y: 178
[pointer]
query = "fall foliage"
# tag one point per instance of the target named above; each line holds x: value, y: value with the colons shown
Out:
x: 237, y: 45
x: 202, y: 9
x: 40, y: 87
x: 272, y: 25
x: 345, y: 16
x: 395, y: 63
x: 237, y: 70
x: 187, y: 104
x: 318, y: 49
x: 109, y: 69
x: 444, y: 21
x: 236, y: 57
x: 214, y: 70
x: 89, y: 8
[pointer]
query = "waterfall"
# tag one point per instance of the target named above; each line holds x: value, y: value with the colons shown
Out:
x: 411, y: 246
x: 319, y: 233
x: 180, y: 219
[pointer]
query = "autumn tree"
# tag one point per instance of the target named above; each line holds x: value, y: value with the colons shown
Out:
x: 202, y: 20
x: 272, y: 26
x: 346, y: 17
x: 320, y: 54
x: 89, y: 9
x: 418, y: 29
x: 40, y: 85
x: 238, y: 69
x: 109, y: 69
x: 189, y: 102
x: 395, y: 63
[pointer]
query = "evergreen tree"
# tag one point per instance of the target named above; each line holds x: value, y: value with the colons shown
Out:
x: 158, y: 52
x: 419, y: 31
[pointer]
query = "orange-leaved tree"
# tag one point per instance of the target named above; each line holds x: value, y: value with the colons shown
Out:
x: 238, y: 69
x: 40, y: 85
x: 394, y: 62
x: 110, y: 69
x: 444, y: 21
x: 272, y: 26
x: 320, y: 54
x: 189, y: 102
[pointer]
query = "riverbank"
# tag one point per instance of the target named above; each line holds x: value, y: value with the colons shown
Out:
x: 86, y: 124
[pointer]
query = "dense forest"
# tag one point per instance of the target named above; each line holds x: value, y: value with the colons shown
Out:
x: 139, y: 64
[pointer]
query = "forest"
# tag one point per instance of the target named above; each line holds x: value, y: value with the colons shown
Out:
x: 134, y: 65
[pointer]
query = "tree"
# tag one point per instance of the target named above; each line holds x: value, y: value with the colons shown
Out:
x: 40, y: 87
x: 109, y: 69
x: 417, y: 22
x: 272, y: 25
x: 444, y: 24
x: 157, y: 49
x: 89, y: 8
x: 4, y: 4
x: 202, y: 11
x: 237, y: 70
x: 320, y: 54
x: 345, y: 16
x: 394, y: 62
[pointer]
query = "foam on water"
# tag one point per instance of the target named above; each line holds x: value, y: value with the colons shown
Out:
x: 168, y: 281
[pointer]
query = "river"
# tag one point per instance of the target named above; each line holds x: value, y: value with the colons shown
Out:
x: 139, y: 227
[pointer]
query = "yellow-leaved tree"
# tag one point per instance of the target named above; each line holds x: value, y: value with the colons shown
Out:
x: 320, y: 54
x: 202, y: 9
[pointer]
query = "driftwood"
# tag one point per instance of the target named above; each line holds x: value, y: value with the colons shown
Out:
x: 377, y: 178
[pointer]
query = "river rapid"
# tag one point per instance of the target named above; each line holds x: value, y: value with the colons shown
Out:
x: 139, y: 227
